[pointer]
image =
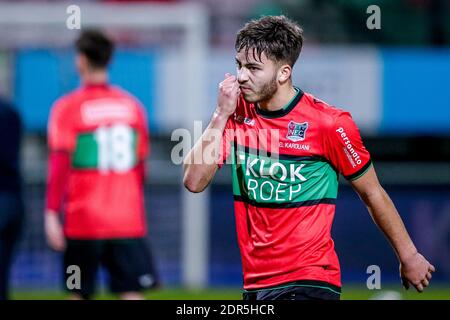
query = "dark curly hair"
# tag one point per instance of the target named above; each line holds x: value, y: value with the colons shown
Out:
x: 278, y: 37
x: 96, y: 46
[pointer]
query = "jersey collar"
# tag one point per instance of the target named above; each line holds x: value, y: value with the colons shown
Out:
x: 95, y: 85
x: 281, y: 112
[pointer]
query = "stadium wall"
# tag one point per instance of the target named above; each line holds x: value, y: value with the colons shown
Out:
x: 386, y: 90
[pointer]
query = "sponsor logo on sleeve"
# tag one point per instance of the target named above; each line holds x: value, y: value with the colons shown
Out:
x: 350, y: 152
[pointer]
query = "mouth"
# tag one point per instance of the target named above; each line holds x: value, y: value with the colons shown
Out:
x: 245, y: 89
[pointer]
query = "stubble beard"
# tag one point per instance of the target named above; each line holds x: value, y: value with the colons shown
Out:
x: 266, y: 92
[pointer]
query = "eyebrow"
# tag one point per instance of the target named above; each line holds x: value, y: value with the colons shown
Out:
x: 256, y: 64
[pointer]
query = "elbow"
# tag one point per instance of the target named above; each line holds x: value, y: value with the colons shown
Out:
x: 369, y: 197
x: 192, y: 185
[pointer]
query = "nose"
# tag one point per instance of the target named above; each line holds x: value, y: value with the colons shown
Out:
x: 242, y: 76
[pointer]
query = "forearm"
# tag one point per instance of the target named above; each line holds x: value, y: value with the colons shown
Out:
x: 386, y: 216
x: 58, y: 172
x: 201, y: 163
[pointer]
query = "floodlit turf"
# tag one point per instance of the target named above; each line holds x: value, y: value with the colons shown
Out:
x: 396, y: 293
x: 349, y: 293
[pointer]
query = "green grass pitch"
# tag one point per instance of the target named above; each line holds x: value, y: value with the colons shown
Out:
x: 348, y: 293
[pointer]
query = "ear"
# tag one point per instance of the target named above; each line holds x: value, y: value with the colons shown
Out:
x: 284, y: 73
x: 81, y: 62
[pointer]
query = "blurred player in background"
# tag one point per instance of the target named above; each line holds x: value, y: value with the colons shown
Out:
x: 11, y: 201
x: 98, y: 140
x: 285, y: 198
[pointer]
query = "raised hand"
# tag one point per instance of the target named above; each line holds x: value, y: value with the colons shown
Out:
x: 228, y: 95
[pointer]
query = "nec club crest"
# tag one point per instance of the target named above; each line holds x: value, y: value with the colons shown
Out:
x: 297, y: 131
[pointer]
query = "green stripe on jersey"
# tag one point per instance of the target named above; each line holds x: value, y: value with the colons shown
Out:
x: 111, y: 150
x: 269, y: 180
x: 86, y: 152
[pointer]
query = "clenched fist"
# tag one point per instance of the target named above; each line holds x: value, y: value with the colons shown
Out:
x: 228, y: 95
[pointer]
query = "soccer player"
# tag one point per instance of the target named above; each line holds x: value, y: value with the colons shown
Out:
x: 287, y: 149
x: 98, y: 141
x: 11, y: 200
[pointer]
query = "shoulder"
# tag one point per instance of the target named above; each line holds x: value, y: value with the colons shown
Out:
x: 66, y: 107
x: 326, y: 113
x: 121, y: 93
x: 69, y: 99
x: 132, y: 103
x: 8, y: 113
x: 4, y: 103
x: 62, y: 105
x: 6, y: 107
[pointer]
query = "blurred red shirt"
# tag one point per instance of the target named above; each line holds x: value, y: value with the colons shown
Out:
x: 98, y: 140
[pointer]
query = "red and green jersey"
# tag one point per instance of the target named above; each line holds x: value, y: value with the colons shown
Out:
x: 104, y: 131
x: 285, y: 184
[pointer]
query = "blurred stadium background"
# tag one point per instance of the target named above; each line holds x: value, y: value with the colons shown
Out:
x: 172, y: 54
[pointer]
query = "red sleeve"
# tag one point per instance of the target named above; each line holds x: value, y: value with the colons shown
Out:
x: 61, y: 135
x: 141, y: 171
x: 345, y: 149
x: 58, y: 172
x: 143, y: 143
x: 225, y: 145
x: 144, y: 135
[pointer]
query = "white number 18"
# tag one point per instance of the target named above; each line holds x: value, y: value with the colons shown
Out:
x: 115, y: 148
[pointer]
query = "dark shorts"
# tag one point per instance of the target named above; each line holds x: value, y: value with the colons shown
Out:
x: 299, y: 290
x: 128, y: 262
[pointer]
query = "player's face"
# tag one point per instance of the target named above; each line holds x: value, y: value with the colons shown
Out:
x: 257, y: 78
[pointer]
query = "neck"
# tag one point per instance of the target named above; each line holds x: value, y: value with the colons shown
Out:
x: 95, y: 77
x: 280, y: 99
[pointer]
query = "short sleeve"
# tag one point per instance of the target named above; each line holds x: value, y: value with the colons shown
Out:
x: 345, y: 148
x: 61, y: 133
x: 225, y: 145
x: 143, y: 147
